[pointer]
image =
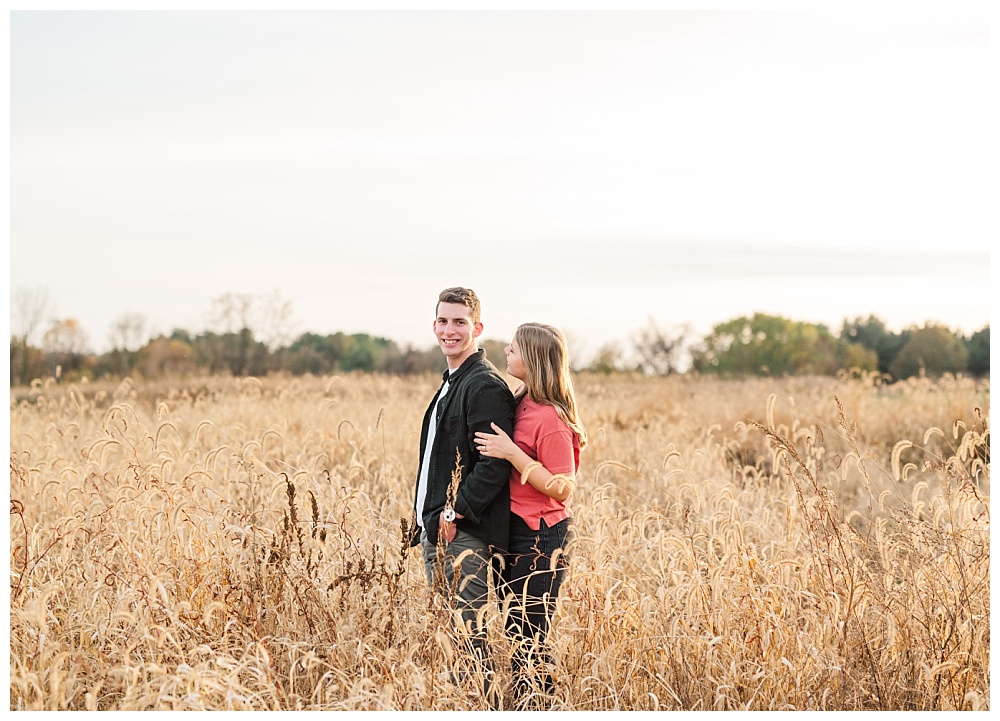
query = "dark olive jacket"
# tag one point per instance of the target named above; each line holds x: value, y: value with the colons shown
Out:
x: 477, y: 395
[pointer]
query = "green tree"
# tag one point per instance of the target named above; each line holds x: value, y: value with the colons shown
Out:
x: 366, y: 353
x: 775, y: 346
x: 316, y: 354
x: 857, y: 357
x: 931, y: 350
x: 181, y: 334
x: 978, y: 347
x: 428, y: 360
x: 305, y: 360
x: 746, y: 346
x: 209, y: 352
x: 236, y: 353
x: 871, y: 333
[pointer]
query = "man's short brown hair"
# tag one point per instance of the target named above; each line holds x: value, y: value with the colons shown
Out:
x: 462, y: 296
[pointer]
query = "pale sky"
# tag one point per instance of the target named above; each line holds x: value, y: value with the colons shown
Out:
x: 593, y: 170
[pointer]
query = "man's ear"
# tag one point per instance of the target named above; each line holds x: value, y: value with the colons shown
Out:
x: 477, y: 330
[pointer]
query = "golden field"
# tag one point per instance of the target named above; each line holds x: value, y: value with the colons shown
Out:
x: 235, y: 544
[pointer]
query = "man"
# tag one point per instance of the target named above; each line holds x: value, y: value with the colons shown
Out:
x: 469, y: 519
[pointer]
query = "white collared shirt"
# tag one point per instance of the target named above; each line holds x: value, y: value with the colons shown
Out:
x: 425, y: 466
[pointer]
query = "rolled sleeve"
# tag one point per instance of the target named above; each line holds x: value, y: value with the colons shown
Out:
x: 555, y: 452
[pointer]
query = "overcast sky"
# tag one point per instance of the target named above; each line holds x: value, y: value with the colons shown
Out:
x: 594, y: 170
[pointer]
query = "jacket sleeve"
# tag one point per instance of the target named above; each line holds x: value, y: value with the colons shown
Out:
x: 490, y: 403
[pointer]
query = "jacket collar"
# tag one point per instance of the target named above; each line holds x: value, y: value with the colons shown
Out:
x: 472, y: 360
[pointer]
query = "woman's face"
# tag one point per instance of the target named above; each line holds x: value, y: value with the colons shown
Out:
x: 515, y: 365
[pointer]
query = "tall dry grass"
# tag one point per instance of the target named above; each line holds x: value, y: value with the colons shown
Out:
x: 237, y: 544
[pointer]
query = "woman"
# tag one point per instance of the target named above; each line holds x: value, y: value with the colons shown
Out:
x: 545, y: 455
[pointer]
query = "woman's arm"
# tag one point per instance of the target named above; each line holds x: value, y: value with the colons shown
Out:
x: 557, y: 486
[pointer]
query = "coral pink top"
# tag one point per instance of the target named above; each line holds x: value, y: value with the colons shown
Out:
x: 545, y: 437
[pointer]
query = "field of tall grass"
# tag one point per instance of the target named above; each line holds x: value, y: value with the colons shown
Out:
x: 811, y: 544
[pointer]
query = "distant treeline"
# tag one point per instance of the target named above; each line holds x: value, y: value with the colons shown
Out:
x: 757, y: 345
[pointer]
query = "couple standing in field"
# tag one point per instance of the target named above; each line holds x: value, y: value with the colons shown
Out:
x: 495, y: 482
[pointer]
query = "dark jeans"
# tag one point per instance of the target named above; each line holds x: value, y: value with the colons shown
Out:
x: 532, y: 583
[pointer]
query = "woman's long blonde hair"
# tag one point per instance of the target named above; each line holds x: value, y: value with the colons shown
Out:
x: 548, y: 380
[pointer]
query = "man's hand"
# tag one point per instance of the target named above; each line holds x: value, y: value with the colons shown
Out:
x: 447, y: 530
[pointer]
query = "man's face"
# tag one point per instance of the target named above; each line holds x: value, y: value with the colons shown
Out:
x: 456, y: 333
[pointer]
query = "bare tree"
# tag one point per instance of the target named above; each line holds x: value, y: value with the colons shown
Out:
x: 660, y: 352
x: 29, y: 308
x: 269, y: 317
x: 231, y: 313
x: 574, y: 346
x: 65, y: 343
x: 127, y: 333
x: 256, y: 323
x: 274, y: 320
x: 65, y: 337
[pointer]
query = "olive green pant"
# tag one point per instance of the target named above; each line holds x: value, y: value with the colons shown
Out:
x: 466, y: 587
